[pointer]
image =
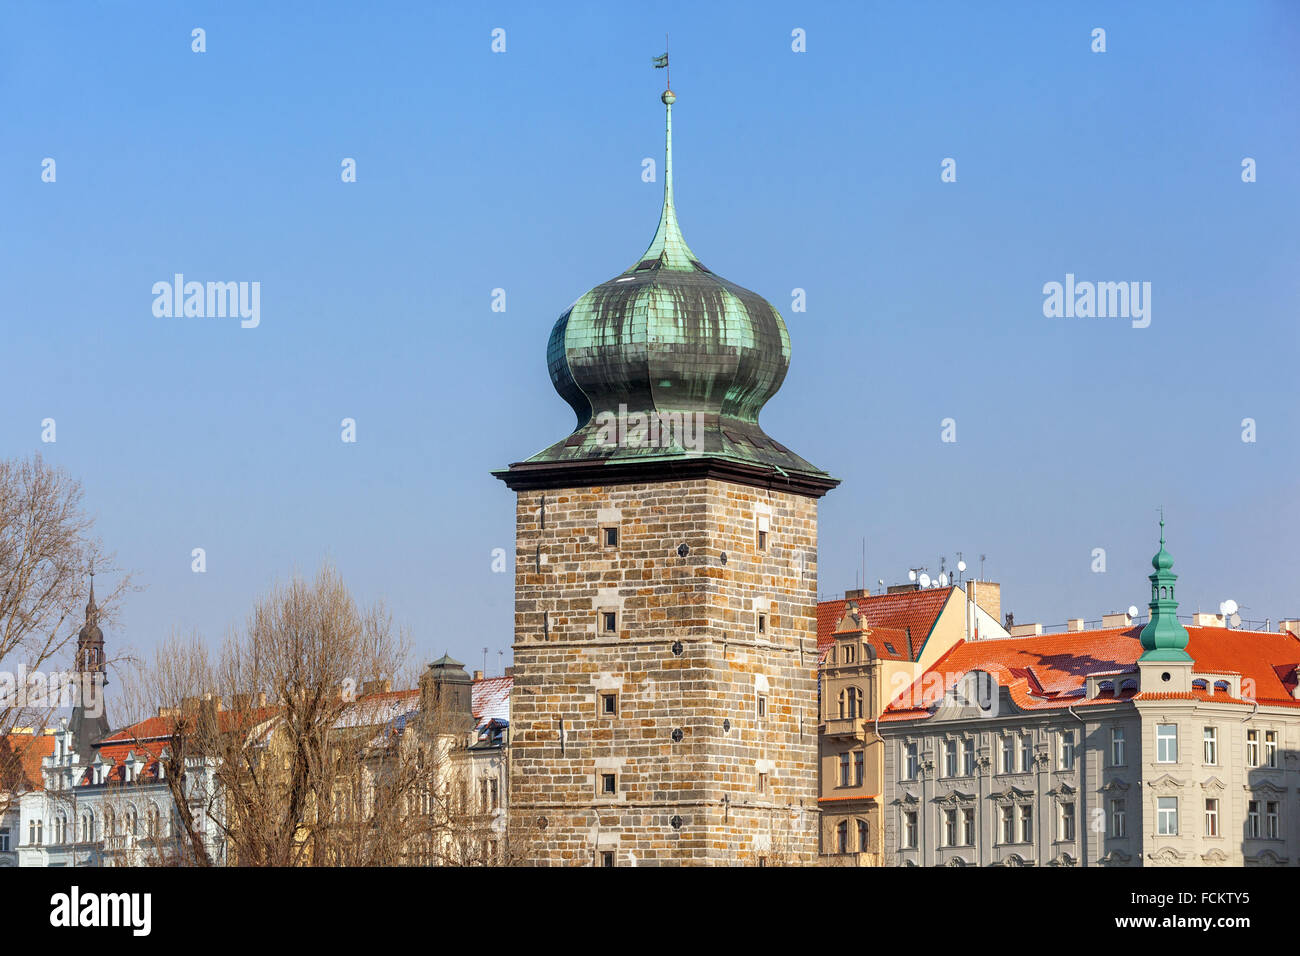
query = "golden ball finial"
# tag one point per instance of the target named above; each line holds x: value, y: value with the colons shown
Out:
x: 669, y: 97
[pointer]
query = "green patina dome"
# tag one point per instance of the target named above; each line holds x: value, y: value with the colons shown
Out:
x: 669, y: 340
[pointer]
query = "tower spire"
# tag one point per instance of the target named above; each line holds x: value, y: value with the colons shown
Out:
x: 1163, y: 638
x: 668, y: 249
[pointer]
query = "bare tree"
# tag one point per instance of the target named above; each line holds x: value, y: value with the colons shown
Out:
x: 46, y: 548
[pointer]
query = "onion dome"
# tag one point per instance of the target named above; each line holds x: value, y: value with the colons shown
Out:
x: 669, y: 365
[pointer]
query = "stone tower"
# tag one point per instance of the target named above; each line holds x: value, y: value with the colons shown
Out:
x: 89, y: 721
x: 664, y: 708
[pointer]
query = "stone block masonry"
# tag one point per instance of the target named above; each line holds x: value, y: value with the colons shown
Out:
x: 664, y: 706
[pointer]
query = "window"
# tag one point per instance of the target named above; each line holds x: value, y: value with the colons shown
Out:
x: 911, y: 762
x: 1067, y: 821
x: 844, y: 769
x: 606, y: 857
x: 851, y: 703
x: 762, y: 624
x: 610, y: 536
x: 1067, y: 750
x: 1270, y: 748
x: 968, y: 827
x: 950, y: 758
x: 850, y: 654
x: 762, y: 783
x: 609, y: 622
x: 1212, y: 818
x: 1167, y: 816
x: 761, y: 705
x: 842, y: 837
x: 762, y: 540
x: 968, y: 758
x: 1271, y: 820
x: 1252, y: 819
x: 1008, y: 755
x: 1117, y: 746
x: 4, y: 839
x: 608, y: 784
x: 1008, y: 825
x: 863, y: 843
x: 609, y: 704
x: 1252, y: 748
x: 950, y: 828
x: 1211, y: 745
x: 859, y: 764
x: 483, y: 796
x: 1026, y: 753
x: 1166, y: 743
x: 909, y: 830
x: 1118, y: 819
x: 1026, y: 824
x: 494, y: 792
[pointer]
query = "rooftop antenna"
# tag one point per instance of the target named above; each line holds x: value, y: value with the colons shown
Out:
x: 501, y: 662
x: 982, y: 566
x: 485, y: 650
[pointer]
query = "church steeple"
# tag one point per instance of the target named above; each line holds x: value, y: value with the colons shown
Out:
x: 1163, y: 638
x: 89, y: 721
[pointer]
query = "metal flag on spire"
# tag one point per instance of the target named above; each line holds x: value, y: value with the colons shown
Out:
x: 661, y: 63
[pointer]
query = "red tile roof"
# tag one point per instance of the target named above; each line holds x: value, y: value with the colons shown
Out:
x: 915, y: 609
x: 1049, y: 671
x: 20, y: 760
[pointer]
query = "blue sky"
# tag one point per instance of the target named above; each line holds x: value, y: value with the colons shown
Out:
x: 817, y: 170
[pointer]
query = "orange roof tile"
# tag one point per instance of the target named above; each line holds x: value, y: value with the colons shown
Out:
x: 915, y: 609
x: 1049, y: 670
x: 20, y: 760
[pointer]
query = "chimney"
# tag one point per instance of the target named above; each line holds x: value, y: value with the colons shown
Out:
x: 1074, y: 624
x: 1119, y: 619
x: 987, y: 595
x: 1289, y: 624
x: 510, y: 671
x: 189, y: 705
x: 478, y: 675
x: 1201, y: 619
x: 1025, y: 630
x: 376, y: 687
x: 855, y: 594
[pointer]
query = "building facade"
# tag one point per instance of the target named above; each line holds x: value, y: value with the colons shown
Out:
x: 1155, y: 746
x: 878, y: 647
x: 663, y: 710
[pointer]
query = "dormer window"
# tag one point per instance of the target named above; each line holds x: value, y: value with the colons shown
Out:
x: 850, y: 653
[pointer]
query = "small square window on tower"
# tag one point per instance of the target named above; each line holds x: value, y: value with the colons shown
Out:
x: 762, y: 783
x: 609, y: 784
x: 762, y: 705
x: 761, y: 543
x: 609, y: 537
x: 609, y: 622
x: 762, y: 623
x: 606, y: 857
x: 609, y: 703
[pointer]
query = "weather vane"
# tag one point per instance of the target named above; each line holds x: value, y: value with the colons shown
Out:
x: 661, y: 63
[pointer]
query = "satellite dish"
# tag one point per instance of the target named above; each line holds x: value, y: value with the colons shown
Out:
x: 924, y: 580
x: 1235, y: 620
x: 1132, y: 610
x: 911, y: 575
x: 961, y: 566
x: 943, y: 580
x: 1228, y: 607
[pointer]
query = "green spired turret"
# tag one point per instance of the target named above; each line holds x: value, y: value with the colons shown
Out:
x: 1163, y: 638
x: 666, y: 367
